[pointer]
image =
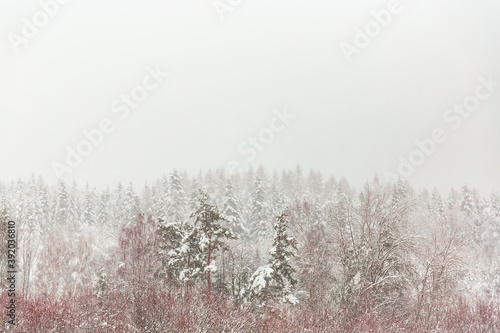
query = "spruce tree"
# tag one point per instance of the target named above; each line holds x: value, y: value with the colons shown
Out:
x: 259, y: 224
x: 275, y: 281
x: 88, y: 214
x: 399, y: 192
x: 231, y: 210
x: 467, y: 203
x: 103, y: 213
x: 62, y: 204
x: 176, y: 200
x: 132, y: 205
x: 74, y: 208
x: 438, y: 207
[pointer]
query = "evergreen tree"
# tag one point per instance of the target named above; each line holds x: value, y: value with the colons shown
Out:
x: 211, y: 234
x: 467, y: 203
x: 62, y: 204
x: 495, y: 204
x: 132, y: 205
x: 298, y: 186
x: 74, y: 208
x: 31, y: 218
x: 192, y: 249
x: 399, y: 192
x: 316, y: 213
x: 259, y: 225
x: 147, y: 201
x: 231, y: 211
x: 175, y: 251
x: 176, y: 200
x: 119, y: 206
x: 42, y: 205
x: 88, y: 213
x: 160, y: 197
x: 103, y: 213
x: 438, y: 207
x: 276, y: 279
x: 452, y: 199
x: 277, y: 201
x: 193, y: 195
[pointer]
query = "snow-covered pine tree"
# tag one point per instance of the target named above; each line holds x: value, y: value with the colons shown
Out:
x: 399, y: 192
x: 103, y: 213
x: 118, y: 206
x: 147, y: 203
x: 495, y: 211
x: 298, y: 182
x: 132, y: 205
x: 231, y: 211
x: 31, y: 219
x: 278, y: 202
x: 275, y: 281
x: 193, y: 195
x: 173, y: 251
x: 62, y: 204
x: 88, y: 214
x: 259, y: 224
x: 495, y: 207
x: 211, y: 233
x: 74, y: 208
x: 156, y: 192
x: 42, y: 205
x: 495, y: 204
x: 452, y: 200
x: 315, y: 183
x: 283, y: 250
x: 176, y: 200
x: 186, y: 261
x: 467, y: 203
x: 438, y: 207
x: 341, y: 201
x: 316, y: 213
x: 29, y: 238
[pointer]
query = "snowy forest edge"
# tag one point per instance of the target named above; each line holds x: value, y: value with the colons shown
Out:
x: 255, y: 249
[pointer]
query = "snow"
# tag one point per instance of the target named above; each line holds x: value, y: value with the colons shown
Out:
x: 211, y: 268
x: 356, y: 278
x: 182, y: 275
x: 203, y: 241
x: 290, y: 299
x: 260, y: 277
x: 184, y: 248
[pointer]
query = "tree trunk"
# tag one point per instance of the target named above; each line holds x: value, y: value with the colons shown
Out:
x: 209, y: 276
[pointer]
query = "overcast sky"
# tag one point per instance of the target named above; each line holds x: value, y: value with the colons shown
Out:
x: 232, y: 67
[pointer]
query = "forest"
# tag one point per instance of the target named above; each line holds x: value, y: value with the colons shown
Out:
x: 257, y: 251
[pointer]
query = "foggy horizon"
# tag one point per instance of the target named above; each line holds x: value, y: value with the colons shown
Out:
x: 215, y: 76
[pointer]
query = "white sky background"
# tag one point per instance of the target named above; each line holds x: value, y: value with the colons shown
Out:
x: 227, y: 77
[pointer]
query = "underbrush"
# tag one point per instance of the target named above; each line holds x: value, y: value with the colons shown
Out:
x: 154, y: 310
